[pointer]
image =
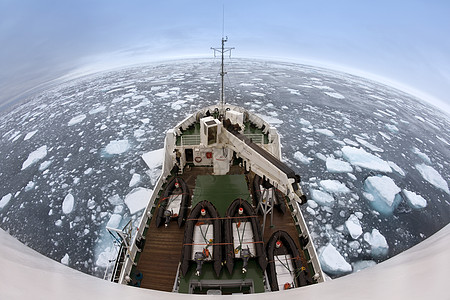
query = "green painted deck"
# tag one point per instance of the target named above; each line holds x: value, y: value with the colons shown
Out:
x: 220, y: 190
x: 254, y: 273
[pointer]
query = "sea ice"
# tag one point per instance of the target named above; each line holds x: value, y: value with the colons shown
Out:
x: 137, y: 199
x: 335, y: 95
x: 359, y: 157
x: 30, y: 185
x: 392, y: 128
x: 135, y: 179
x: 354, y: 226
x: 378, y: 244
x: 396, y: 168
x: 29, y: 135
x: 414, y: 201
x: 305, y: 122
x: 338, y: 166
x: 382, y: 193
x: 154, y: 159
x: 65, y: 259
x: 44, y: 165
x: 362, y: 264
x: 271, y: 120
x: 76, y: 119
x: 117, y: 147
x: 334, y: 186
x: 97, y: 110
x: 114, y: 221
x: 67, y: 205
x: 324, y: 131
x: 115, y: 200
x: 35, y: 156
x: 322, y: 198
x: 5, y: 200
x: 332, y: 262
x: 258, y: 94
x: 422, y: 155
x: 432, y: 176
x: 105, y: 257
x: 302, y: 158
x: 369, y: 145
x: 138, y: 133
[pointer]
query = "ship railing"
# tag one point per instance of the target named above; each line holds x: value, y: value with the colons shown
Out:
x: 255, y: 137
x: 300, y: 221
x: 189, y: 140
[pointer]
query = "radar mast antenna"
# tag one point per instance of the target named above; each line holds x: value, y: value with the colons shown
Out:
x: 222, y: 51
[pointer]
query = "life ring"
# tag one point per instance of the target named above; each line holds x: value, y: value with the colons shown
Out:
x: 198, y: 159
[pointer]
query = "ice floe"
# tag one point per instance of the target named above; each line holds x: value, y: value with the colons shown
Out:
x: 115, y: 200
x: 432, y: 176
x: 414, y: 201
x: 369, y: 145
x: 335, y: 95
x: 137, y: 199
x: 97, y: 110
x: 5, y: 200
x: 353, y: 226
x: 68, y: 203
x: 362, y: 264
x: 117, y: 147
x: 104, y: 258
x: 378, y: 244
x: 421, y: 155
x: 338, y: 166
x: 35, y: 156
x: 30, y: 185
x: 396, y: 168
x: 322, y: 198
x: 154, y: 159
x: 76, y: 120
x: 135, y: 179
x: 359, y: 157
x: 65, y: 259
x: 114, y: 221
x: 324, y: 131
x: 29, y: 135
x: 334, y: 186
x: 332, y: 262
x: 302, y: 158
x: 382, y: 193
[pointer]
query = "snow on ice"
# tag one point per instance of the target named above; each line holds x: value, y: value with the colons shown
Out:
x: 302, y: 158
x: 334, y: 186
x: 369, y: 145
x: 378, y: 244
x: 137, y: 199
x: 5, y: 200
x: 76, y: 120
x: 104, y: 258
x: 338, y: 166
x: 432, y: 176
x: 382, y: 193
x: 362, y: 264
x: 67, y: 205
x: 353, y: 226
x: 35, y: 156
x: 322, y: 198
x: 332, y: 261
x: 115, y: 200
x: 414, y: 201
x: 359, y: 157
x: 396, y: 168
x: 117, y: 147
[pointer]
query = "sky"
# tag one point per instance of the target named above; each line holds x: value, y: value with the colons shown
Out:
x: 404, y: 43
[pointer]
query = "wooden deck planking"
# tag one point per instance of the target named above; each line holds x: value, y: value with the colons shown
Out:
x: 159, y: 259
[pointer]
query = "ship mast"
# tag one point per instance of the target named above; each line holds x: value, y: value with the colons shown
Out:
x: 222, y: 51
